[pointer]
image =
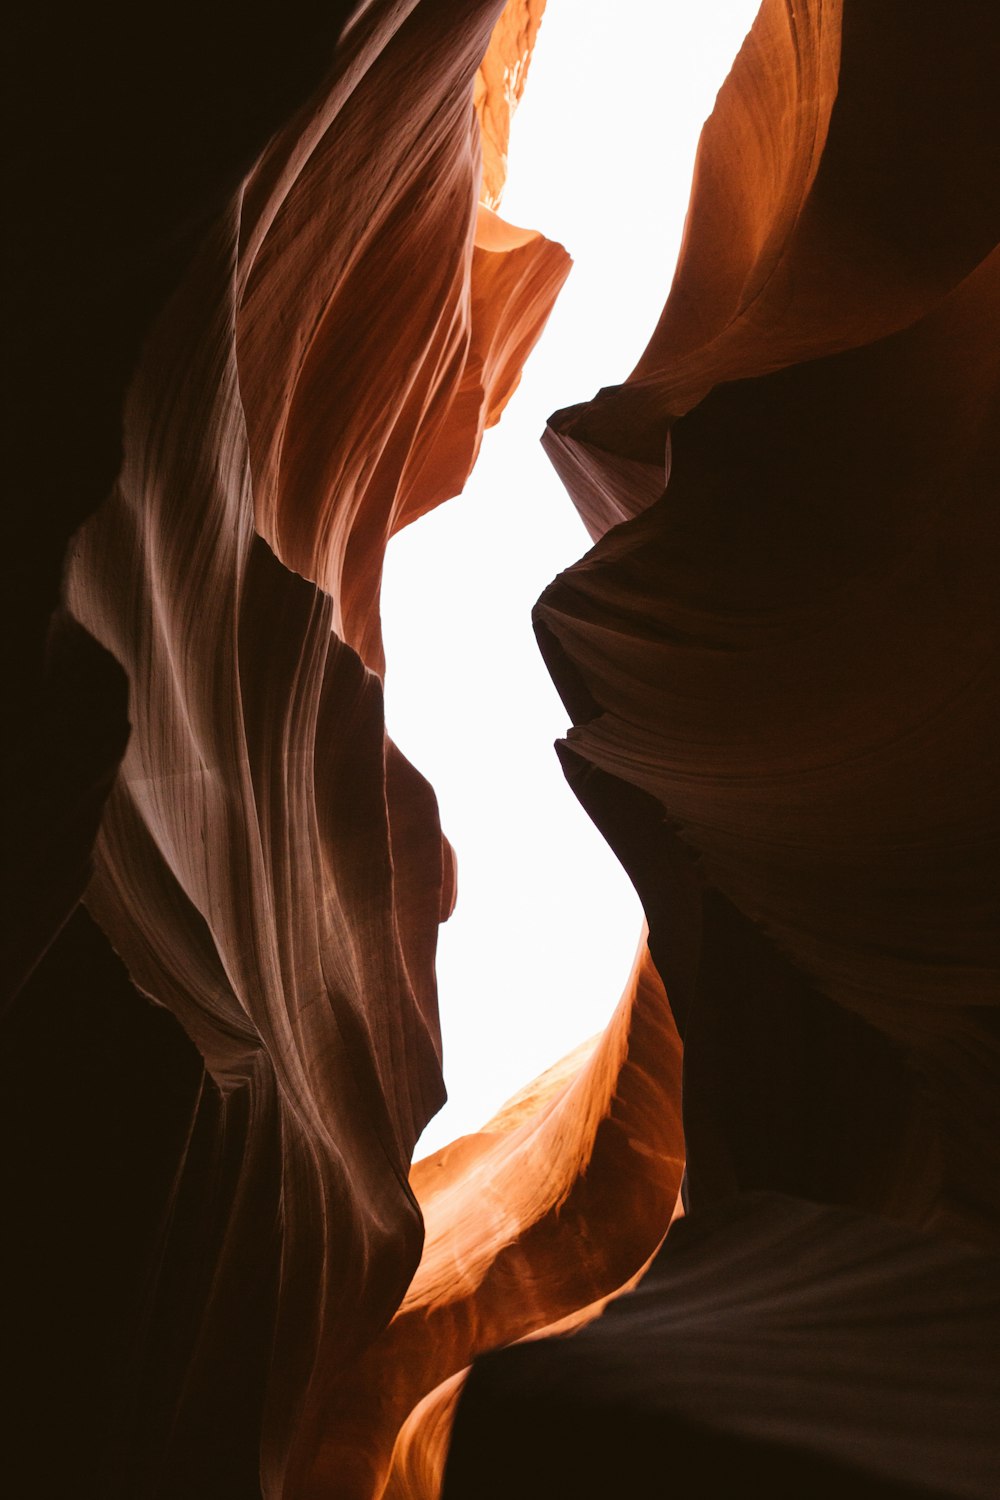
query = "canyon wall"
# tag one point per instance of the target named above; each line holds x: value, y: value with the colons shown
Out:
x: 780, y: 660
x: 265, y: 309
x: 284, y: 344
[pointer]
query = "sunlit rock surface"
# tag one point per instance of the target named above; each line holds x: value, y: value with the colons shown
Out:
x: 780, y: 662
x: 541, y: 1216
x: 269, y: 867
x: 775, y: 1347
x: 269, y: 870
x: 790, y: 651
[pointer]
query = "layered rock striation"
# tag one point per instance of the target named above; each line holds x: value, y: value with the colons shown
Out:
x: 343, y: 318
x: 263, y: 324
x: 780, y: 663
x: 239, y: 1027
x: 788, y: 654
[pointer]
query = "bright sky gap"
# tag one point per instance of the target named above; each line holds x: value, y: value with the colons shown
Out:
x: 534, y: 958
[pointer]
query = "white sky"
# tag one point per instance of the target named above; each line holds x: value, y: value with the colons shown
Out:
x: 536, y: 954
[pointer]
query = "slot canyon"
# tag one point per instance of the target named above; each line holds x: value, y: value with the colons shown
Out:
x: 263, y: 307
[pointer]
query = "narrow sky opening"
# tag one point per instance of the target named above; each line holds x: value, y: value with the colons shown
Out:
x: 535, y: 957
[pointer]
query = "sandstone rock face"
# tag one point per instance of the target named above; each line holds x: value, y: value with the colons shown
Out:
x: 785, y: 1347
x: 345, y: 320
x: 788, y: 653
x: 263, y: 325
x: 780, y: 662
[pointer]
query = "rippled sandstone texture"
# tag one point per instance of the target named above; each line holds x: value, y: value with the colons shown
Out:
x: 780, y: 659
x: 284, y: 349
x: 792, y: 652
x: 259, y: 328
x: 285, y: 344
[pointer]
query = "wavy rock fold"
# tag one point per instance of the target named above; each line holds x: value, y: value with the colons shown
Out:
x: 267, y: 307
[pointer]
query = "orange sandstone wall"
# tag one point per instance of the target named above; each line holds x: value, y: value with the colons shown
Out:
x: 784, y: 655
x: 269, y: 868
x: 341, y: 315
x: 779, y: 659
x: 268, y: 329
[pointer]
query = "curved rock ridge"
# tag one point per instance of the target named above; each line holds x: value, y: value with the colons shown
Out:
x: 118, y: 1156
x: 790, y: 656
x: 775, y: 1346
x: 780, y: 663
x: 269, y: 866
x: 844, y: 183
x: 541, y: 1216
x: 779, y: 660
x: 421, y: 1451
x: 107, y: 219
x: 341, y: 265
x: 420, y: 1455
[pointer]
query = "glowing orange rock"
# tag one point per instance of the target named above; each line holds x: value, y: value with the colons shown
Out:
x: 779, y: 660
x: 540, y: 1217
x: 269, y: 867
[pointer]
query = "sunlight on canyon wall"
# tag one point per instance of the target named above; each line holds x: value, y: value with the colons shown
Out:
x: 281, y: 318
